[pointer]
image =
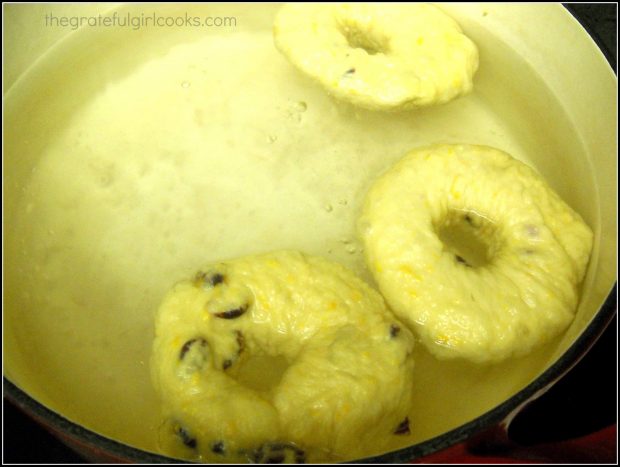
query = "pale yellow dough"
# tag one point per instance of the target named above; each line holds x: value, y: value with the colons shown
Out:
x: 524, y: 292
x: 387, y: 56
x: 345, y: 391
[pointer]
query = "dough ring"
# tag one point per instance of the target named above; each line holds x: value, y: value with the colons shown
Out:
x: 347, y: 386
x: 377, y: 55
x: 511, y: 282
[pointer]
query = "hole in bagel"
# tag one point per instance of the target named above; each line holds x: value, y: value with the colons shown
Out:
x: 261, y: 372
x: 470, y: 238
x: 360, y: 37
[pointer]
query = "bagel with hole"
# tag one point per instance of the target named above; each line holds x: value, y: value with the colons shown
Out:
x: 345, y: 385
x: 380, y: 56
x: 474, y: 251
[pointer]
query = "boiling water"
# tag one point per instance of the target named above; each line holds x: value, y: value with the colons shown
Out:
x: 133, y: 158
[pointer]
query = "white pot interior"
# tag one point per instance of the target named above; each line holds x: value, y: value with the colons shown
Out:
x: 133, y: 157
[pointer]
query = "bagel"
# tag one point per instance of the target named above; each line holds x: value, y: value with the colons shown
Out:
x: 378, y: 56
x: 347, y: 386
x: 474, y: 251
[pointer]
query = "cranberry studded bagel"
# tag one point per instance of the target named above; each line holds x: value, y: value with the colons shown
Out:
x: 344, y: 384
x: 474, y: 251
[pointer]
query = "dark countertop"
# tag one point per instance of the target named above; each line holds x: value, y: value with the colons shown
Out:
x: 601, y: 21
x: 584, y: 401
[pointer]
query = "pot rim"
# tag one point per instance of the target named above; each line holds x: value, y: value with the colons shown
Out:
x: 76, y: 432
x: 491, y: 418
x: 609, y: 55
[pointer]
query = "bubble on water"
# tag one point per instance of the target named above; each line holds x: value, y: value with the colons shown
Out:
x: 349, y: 245
x: 296, y: 117
x: 328, y: 207
x: 272, y: 138
x: 296, y: 109
x: 186, y: 84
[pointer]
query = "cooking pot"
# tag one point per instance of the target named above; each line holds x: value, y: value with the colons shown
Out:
x: 135, y: 154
